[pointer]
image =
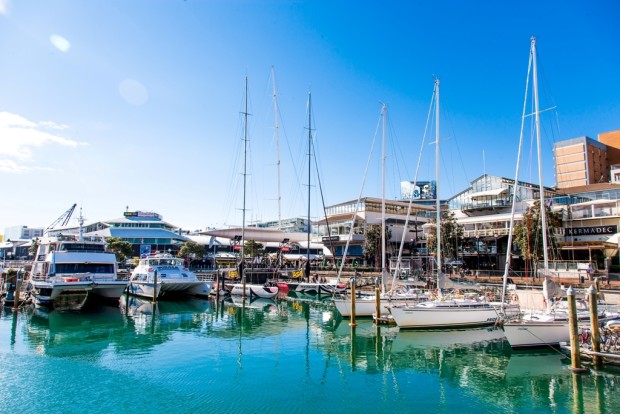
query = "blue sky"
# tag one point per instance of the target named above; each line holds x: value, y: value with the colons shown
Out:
x: 136, y: 103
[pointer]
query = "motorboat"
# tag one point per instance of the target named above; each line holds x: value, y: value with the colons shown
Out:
x: 254, y: 291
x: 67, y: 268
x: 162, y: 273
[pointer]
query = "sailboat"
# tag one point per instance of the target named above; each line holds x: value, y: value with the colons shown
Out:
x: 246, y: 289
x: 316, y: 286
x: 443, y: 313
x: 366, y: 305
x: 536, y: 328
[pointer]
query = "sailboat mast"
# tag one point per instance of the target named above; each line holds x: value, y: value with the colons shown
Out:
x: 309, y: 182
x: 384, y: 114
x: 277, y: 126
x: 245, y: 166
x: 437, y: 201
x: 543, y: 212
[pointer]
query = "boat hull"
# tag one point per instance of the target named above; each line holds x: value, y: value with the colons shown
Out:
x: 61, y: 295
x: 536, y: 334
x: 367, y: 306
x: 144, y: 289
x: 260, y: 291
x: 109, y: 289
x: 414, y: 317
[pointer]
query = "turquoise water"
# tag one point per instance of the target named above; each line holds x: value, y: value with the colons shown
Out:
x: 287, y: 356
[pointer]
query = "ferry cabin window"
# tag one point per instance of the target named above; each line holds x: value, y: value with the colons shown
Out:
x: 97, y: 268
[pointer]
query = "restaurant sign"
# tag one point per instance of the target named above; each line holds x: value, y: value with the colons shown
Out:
x: 591, y: 231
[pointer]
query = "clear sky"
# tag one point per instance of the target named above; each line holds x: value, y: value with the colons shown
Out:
x: 116, y: 104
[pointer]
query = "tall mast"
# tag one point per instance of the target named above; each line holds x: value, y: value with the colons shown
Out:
x: 275, y: 110
x: 543, y: 212
x: 437, y: 201
x: 384, y: 115
x: 245, y: 158
x: 309, y: 182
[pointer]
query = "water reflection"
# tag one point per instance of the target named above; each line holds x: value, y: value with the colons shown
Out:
x: 307, y: 340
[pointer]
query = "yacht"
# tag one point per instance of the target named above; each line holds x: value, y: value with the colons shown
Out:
x: 67, y: 268
x: 159, y: 274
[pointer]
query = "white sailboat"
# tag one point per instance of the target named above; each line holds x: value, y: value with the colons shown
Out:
x: 443, y: 313
x: 366, y: 305
x: 246, y: 289
x: 536, y: 328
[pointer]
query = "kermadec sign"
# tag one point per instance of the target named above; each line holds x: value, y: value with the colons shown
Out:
x: 591, y: 231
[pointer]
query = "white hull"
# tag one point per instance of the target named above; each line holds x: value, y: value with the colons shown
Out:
x: 203, y: 289
x: 366, y: 306
x: 109, y: 290
x: 435, y: 315
x: 178, y: 286
x: 143, y: 289
x: 61, y: 295
x: 260, y: 291
x: 534, y: 334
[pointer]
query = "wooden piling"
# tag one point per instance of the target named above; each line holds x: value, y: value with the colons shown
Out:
x: 574, y: 334
x: 377, y: 300
x: 155, y: 286
x: 594, y: 329
x: 353, y: 323
x: 16, y: 293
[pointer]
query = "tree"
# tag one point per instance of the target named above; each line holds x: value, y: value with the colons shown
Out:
x: 528, y: 234
x: 122, y: 249
x: 372, y: 241
x: 253, y: 248
x: 451, y: 235
x: 192, y: 249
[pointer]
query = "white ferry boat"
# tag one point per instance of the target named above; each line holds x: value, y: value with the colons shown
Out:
x: 67, y: 268
x: 159, y: 274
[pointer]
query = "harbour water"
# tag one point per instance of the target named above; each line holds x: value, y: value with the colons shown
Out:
x: 291, y: 355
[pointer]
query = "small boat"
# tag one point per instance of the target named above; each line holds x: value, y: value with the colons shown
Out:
x: 252, y: 290
x: 320, y: 288
x: 160, y: 273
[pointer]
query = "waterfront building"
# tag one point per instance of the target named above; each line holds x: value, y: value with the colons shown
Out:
x: 334, y: 230
x: 582, y: 161
x: 17, y: 241
x: 146, y: 231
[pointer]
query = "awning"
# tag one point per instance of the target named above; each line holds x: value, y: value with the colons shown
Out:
x: 488, y: 193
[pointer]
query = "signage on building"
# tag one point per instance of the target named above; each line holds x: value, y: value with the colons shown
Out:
x: 145, y: 251
x: 422, y: 190
x: 145, y: 214
x: 591, y: 231
x: 330, y: 238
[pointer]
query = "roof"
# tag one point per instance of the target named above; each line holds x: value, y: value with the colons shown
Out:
x: 145, y: 233
x: 258, y: 234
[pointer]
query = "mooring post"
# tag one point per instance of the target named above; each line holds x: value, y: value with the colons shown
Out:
x: 574, y: 334
x: 353, y: 323
x: 155, y: 286
x: 377, y: 300
x: 217, y: 285
x: 243, y: 295
x: 594, y: 329
x: 16, y: 293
